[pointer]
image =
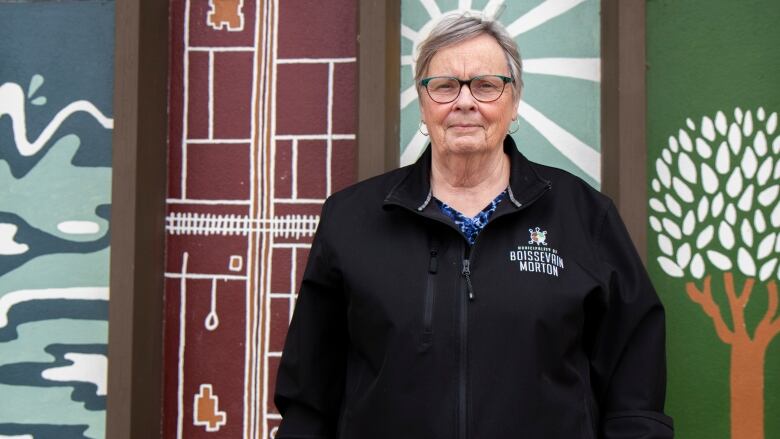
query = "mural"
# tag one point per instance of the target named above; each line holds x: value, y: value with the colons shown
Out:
x: 262, y: 130
x: 55, y: 187
x: 559, y: 42
x: 714, y: 212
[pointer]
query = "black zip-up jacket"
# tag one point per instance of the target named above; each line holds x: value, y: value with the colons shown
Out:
x: 547, y: 327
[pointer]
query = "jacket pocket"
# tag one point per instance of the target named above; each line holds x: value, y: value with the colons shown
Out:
x: 428, y: 303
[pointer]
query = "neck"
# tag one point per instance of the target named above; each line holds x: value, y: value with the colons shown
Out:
x: 467, y: 182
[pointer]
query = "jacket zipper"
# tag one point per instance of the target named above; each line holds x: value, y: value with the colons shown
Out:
x: 467, y: 274
x: 463, y: 372
x: 463, y: 360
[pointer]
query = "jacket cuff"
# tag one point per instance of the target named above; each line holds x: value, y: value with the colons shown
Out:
x: 637, y: 424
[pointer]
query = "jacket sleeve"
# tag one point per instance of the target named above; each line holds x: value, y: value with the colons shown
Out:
x: 628, y: 356
x: 310, y: 379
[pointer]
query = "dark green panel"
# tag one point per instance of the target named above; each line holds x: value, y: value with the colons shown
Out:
x: 705, y: 57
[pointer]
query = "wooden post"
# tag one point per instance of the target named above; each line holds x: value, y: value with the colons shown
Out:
x: 137, y: 220
x: 623, y: 113
x: 379, y: 76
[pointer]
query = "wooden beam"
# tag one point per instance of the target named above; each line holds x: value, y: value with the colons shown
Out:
x: 134, y: 401
x: 379, y: 76
x: 623, y: 113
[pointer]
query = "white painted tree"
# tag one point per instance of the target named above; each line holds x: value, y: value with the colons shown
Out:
x: 715, y: 211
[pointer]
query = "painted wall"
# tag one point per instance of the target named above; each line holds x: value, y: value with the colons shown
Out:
x: 559, y: 42
x: 714, y: 211
x: 262, y: 130
x: 56, y: 81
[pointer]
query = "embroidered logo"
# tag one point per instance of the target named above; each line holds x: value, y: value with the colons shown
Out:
x: 537, y: 256
x: 538, y: 236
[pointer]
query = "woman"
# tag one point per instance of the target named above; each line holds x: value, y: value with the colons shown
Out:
x: 473, y: 294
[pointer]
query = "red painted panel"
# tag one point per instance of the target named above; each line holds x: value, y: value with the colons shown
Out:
x: 302, y: 256
x: 198, y: 96
x: 204, y: 34
x: 312, y: 156
x: 311, y: 29
x: 281, y: 209
x: 273, y: 368
x: 221, y: 349
x: 222, y: 171
x: 344, y: 98
x: 174, y: 168
x: 179, y: 241
x: 302, y: 99
x: 343, y: 172
x: 222, y: 209
x: 233, y: 95
x: 171, y: 356
x: 218, y: 171
x: 283, y: 169
x: 280, y: 316
x: 281, y: 261
x: 302, y: 209
x: 207, y: 254
x: 272, y: 423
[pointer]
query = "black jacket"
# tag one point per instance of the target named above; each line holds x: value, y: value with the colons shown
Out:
x: 548, y: 327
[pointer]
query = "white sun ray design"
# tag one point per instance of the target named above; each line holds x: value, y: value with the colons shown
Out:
x: 589, y: 69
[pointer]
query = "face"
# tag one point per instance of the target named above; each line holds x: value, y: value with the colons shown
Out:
x: 466, y: 125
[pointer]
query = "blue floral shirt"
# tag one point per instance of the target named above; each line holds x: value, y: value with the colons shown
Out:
x: 471, y: 226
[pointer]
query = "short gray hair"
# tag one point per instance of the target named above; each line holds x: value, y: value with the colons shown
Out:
x: 454, y: 29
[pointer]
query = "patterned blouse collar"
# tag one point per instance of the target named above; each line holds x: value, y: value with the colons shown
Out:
x: 471, y: 226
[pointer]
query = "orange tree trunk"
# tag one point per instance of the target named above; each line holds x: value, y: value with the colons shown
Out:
x: 747, y: 389
x: 748, y: 355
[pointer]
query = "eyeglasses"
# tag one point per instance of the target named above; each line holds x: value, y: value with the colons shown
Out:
x: 485, y: 88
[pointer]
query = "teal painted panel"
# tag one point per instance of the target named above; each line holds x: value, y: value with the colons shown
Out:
x: 56, y: 85
x: 714, y: 211
x: 560, y: 107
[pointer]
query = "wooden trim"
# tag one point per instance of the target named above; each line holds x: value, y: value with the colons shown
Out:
x: 623, y: 113
x: 379, y: 62
x: 134, y: 405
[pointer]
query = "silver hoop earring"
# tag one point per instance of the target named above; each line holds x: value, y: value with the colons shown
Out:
x: 512, y: 131
x: 422, y: 124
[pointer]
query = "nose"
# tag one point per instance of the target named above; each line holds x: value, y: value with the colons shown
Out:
x: 465, y: 100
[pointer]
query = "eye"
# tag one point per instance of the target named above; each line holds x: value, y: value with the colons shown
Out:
x: 484, y: 84
x: 441, y: 85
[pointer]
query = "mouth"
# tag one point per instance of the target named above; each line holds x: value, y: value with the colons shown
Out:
x: 464, y: 126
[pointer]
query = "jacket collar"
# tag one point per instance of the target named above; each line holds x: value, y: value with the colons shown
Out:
x: 414, y: 190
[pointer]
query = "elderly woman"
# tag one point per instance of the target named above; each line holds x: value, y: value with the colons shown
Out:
x: 473, y: 294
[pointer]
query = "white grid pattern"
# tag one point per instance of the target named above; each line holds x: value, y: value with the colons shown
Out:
x: 210, y: 139
x: 328, y: 136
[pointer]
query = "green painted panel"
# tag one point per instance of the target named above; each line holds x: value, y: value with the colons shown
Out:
x: 713, y: 172
x: 560, y: 45
x: 56, y: 92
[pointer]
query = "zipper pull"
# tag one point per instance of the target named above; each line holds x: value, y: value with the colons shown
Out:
x: 467, y: 273
x: 433, y: 264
